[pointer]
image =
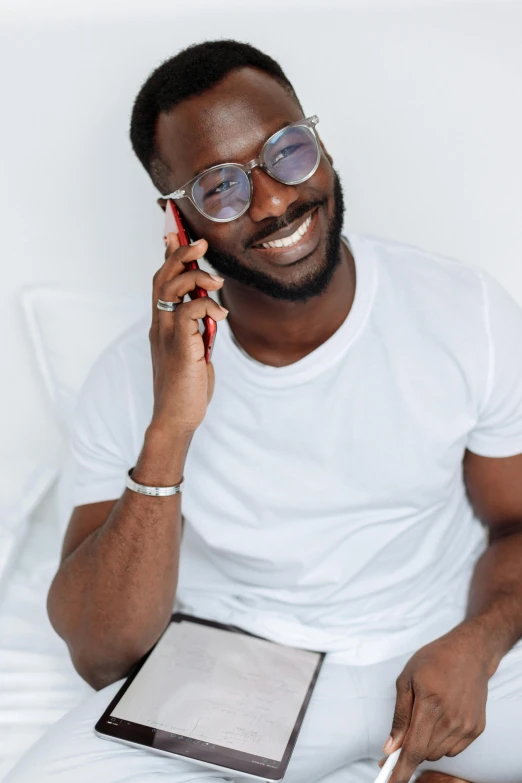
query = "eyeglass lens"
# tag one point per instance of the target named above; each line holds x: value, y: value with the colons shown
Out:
x: 290, y: 156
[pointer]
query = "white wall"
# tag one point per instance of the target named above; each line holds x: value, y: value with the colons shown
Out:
x: 419, y: 104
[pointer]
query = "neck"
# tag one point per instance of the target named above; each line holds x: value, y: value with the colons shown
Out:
x: 278, y: 333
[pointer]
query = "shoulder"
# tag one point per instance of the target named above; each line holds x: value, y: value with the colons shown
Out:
x: 417, y: 267
x: 435, y: 292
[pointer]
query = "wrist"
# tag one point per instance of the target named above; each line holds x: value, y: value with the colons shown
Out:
x: 161, y: 462
x: 160, y: 438
x: 486, y: 642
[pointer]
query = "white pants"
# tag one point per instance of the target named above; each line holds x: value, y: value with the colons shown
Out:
x: 348, y: 721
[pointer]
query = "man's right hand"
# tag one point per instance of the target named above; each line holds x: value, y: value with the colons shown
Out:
x: 183, y: 381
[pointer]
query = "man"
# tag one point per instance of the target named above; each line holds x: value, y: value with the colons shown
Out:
x: 364, y: 419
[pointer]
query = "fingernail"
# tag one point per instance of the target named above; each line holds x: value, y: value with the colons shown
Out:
x: 224, y: 309
x: 215, y: 277
x: 388, y: 744
x: 196, y: 242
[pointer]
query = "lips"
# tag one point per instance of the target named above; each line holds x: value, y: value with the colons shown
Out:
x: 288, y: 250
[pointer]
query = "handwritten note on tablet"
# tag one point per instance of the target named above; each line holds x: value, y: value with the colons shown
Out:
x: 219, y: 687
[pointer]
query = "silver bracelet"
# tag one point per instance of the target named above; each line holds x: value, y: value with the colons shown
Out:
x: 143, y: 489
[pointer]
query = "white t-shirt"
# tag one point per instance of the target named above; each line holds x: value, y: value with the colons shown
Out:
x: 324, y: 502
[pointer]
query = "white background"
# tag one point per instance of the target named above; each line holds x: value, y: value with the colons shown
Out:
x: 419, y: 104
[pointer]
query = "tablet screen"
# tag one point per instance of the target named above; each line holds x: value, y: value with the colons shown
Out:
x: 220, y: 695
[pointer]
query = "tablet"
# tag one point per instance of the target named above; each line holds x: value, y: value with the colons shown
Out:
x: 216, y: 695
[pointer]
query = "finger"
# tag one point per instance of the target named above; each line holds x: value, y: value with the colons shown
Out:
x: 171, y: 243
x: 446, y: 733
x: 465, y: 741
x: 192, y: 252
x: 178, y: 287
x: 462, y: 732
x: 401, y: 716
x: 196, y: 309
x: 176, y: 258
x: 416, y: 741
x: 175, y: 290
x: 459, y: 747
x: 188, y: 314
x: 176, y: 262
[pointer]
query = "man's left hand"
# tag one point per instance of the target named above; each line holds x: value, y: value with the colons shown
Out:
x: 441, y: 700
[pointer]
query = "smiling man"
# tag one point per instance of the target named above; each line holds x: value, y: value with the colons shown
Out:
x: 352, y: 458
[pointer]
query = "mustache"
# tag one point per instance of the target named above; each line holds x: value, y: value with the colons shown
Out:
x: 280, y: 223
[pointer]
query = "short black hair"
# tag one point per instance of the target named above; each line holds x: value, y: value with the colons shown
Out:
x: 190, y: 72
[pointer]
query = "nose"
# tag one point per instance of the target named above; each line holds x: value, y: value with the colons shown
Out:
x: 270, y: 198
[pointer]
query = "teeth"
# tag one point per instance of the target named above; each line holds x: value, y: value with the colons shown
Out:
x: 293, y: 239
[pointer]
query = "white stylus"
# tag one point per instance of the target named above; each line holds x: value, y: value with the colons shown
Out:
x: 389, y: 764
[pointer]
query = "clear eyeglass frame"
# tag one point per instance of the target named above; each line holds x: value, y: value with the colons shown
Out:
x: 186, y: 190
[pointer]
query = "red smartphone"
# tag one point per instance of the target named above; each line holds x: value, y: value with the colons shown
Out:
x: 175, y: 222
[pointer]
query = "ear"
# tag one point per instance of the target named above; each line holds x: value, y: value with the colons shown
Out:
x: 162, y: 202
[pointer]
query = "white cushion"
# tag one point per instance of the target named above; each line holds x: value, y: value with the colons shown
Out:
x: 69, y: 328
x: 23, y: 484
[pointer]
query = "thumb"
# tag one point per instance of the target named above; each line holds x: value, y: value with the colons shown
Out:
x: 401, y: 716
x: 171, y: 243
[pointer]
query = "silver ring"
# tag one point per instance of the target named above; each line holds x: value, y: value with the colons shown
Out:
x: 168, y: 307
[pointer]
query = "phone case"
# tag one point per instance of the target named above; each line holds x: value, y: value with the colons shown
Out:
x: 174, y: 222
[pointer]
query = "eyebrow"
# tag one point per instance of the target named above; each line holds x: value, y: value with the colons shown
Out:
x: 202, y: 169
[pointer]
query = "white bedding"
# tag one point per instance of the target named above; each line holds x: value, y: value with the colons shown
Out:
x: 38, y: 683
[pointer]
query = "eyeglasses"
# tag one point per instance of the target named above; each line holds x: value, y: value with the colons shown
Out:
x: 224, y: 192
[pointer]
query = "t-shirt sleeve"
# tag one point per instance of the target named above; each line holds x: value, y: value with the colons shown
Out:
x: 498, y: 430
x: 101, y: 438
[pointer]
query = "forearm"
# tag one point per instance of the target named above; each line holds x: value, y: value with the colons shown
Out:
x: 495, y: 598
x: 113, y: 595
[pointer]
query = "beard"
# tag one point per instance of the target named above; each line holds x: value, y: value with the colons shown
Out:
x: 228, y: 265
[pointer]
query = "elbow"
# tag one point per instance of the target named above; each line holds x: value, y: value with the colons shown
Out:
x: 54, y: 608
x: 101, y: 666
x: 92, y: 657
x: 97, y: 674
